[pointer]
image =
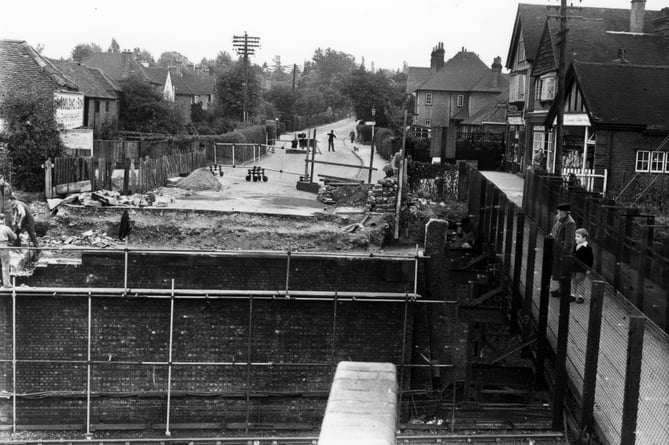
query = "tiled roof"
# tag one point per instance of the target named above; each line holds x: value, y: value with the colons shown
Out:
x: 91, y: 81
x: 530, y: 20
x: 624, y: 94
x: 462, y: 72
x: 200, y: 83
x: 159, y: 75
x: 593, y: 41
x: 21, y: 67
x: 416, y: 77
x: 117, y: 65
x: 493, y: 112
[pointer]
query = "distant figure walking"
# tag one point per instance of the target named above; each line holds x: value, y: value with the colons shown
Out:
x: 352, y: 135
x: 331, y: 138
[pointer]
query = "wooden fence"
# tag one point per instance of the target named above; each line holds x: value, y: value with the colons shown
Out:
x: 154, y: 172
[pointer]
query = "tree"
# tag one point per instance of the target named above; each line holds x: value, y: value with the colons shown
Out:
x: 114, y: 47
x: 171, y: 58
x: 83, y: 50
x: 369, y: 90
x: 282, y: 97
x: 143, y: 109
x: 31, y: 134
x: 142, y: 55
x: 230, y: 92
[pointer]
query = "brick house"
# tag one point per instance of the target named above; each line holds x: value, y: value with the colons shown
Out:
x: 595, y: 35
x: 629, y: 141
x: 452, y: 92
x: 23, y: 68
x: 101, y: 94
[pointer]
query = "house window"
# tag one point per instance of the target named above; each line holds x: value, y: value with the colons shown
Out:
x: 428, y: 123
x: 657, y: 162
x: 460, y: 100
x: 428, y: 99
x: 521, y: 51
x: 548, y: 88
x: 107, y: 106
x: 97, y: 106
x: 642, y: 161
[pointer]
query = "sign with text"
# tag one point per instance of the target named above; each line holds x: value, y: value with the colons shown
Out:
x: 80, y: 139
x: 370, y: 123
x: 69, y: 109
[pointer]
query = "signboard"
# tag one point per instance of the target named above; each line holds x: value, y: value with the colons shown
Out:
x: 69, y: 109
x: 515, y: 120
x: 80, y: 139
x: 574, y: 120
x: 370, y: 123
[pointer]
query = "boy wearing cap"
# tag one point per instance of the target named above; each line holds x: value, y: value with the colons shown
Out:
x: 563, y: 233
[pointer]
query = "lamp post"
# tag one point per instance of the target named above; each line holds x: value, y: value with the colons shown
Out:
x: 371, y: 155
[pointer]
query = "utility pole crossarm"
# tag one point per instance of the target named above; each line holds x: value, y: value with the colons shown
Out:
x: 244, y: 46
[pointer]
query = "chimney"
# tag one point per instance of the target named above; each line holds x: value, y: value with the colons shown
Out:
x: 661, y: 24
x: 179, y: 68
x: 637, y: 15
x: 497, y: 71
x: 437, y: 57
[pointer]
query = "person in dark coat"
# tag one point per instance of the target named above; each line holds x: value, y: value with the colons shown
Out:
x: 585, y: 259
x: 124, y: 227
x: 5, y: 193
x: 563, y: 233
x: 331, y: 138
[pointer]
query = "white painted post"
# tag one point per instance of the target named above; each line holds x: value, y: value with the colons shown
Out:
x: 88, y: 379
x: 169, y: 363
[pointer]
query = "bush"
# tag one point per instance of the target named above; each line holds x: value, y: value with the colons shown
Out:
x: 383, y: 142
x: 31, y: 135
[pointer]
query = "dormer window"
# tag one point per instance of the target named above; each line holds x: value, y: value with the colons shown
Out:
x: 548, y: 83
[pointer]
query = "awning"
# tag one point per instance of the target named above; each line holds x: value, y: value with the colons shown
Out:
x: 575, y: 120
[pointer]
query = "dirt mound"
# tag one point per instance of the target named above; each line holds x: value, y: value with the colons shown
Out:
x: 200, y: 179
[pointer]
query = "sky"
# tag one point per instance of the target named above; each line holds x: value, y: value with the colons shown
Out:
x: 386, y: 33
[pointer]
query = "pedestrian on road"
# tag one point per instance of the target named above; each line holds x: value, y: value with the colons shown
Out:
x: 352, y: 136
x: 5, y: 193
x: 564, y: 240
x: 7, y: 237
x: 583, y: 253
x: 331, y: 138
x: 23, y: 220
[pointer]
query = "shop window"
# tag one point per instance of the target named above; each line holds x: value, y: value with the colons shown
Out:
x: 642, y: 161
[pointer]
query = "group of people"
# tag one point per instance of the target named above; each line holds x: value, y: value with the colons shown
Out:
x: 568, y: 240
x: 22, y: 220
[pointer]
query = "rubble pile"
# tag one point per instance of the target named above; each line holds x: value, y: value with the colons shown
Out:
x: 90, y: 238
x: 102, y: 198
x: 200, y: 180
x: 383, y: 196
x: 326, y: 194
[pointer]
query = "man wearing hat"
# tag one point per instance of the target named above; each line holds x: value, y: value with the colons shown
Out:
x: 564, y: 236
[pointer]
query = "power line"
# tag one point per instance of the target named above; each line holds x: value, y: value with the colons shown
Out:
x: 244, y: 46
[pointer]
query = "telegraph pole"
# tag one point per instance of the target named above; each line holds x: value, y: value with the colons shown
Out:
x: 244, y: 46
x: 559, y: 130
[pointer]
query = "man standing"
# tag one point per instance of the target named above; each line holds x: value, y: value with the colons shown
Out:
x: 564, y: 239
x: 7, y: 237
x: 331, y: 138
x: 23, y: 220
x: 5, y: 193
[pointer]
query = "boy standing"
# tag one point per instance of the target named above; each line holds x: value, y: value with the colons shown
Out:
x: 583, y: 253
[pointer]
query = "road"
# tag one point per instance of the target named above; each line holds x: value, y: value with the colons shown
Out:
x: 283, y: 169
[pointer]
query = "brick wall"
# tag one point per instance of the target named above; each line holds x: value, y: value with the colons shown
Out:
x: 616, y: 152
x: 129, y: 332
